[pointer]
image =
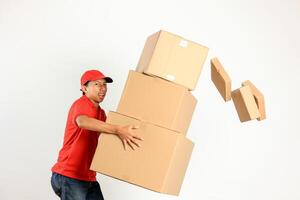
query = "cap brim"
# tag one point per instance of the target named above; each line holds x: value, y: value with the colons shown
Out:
x: 108, y: 79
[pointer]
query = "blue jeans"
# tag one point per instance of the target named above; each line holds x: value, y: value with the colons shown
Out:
x: 72, y: 189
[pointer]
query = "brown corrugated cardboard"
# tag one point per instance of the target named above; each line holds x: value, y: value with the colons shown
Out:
x: 259, y: 99
x: 245, y: 104
x: 157, y: 101
x: 221, y: 79
x: 173, y: 58
x: 159, y: 164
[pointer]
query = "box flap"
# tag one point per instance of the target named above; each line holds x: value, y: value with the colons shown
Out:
x: 245, y: 104
x: 259, y: 99
x: 221, y: 79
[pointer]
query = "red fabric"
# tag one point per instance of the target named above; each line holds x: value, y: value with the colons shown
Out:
x: 79, y: 145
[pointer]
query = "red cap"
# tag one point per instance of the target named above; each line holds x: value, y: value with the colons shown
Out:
x: 93, y: 75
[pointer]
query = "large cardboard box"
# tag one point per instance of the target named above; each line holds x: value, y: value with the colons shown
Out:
x: 245, y: 104
x: 157, y: 101
x: 159, y: 164
x: 221, y: 79
x: 173, y: 58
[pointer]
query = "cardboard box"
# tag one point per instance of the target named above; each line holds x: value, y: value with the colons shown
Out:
x: 159, y: 164
x: 173, y: 58
x: 245, y: 104
x: 259, y: 99
x: 221, y: 79
x: 157, y: 101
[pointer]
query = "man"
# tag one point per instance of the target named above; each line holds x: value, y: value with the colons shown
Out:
x: 71, y: 178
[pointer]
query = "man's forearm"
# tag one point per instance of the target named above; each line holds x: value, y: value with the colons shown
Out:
x: 96, y: 125
x: 124, y: 132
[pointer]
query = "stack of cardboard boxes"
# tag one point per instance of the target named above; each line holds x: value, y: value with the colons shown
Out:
x: 157, y: 98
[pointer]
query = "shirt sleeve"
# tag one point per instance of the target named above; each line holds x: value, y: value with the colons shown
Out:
x: 81, y: 108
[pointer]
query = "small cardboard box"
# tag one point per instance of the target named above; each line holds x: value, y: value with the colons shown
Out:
x: 157, y: 101
x: 159, y: 164
x: 173, y: 58
x: 245, y: 104
x: 221, y: 79
x: 259, y: 99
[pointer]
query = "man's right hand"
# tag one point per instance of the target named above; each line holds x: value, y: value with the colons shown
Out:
x: 127, y: 136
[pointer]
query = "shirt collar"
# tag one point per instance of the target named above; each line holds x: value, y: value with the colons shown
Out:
x: 91, y: 104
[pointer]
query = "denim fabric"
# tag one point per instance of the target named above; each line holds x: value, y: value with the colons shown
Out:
x: 72, y: 189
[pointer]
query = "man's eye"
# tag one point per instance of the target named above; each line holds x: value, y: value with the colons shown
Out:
x: 100, y: 84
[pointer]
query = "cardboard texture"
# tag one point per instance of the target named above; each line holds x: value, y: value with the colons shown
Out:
x: 221, y: 79
x: 159, y: 164
x: 245, y: 104
x: 259, y: 99
x: 157, y: 101
x: 173, y: 58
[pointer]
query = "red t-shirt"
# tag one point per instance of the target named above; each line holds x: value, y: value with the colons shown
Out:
x: 79, y: 145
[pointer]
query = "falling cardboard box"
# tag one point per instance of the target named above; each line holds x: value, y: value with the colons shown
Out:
x: 157, y: 101
x: 159, y: 164
x: 173, y: 58
x: 245, y: 104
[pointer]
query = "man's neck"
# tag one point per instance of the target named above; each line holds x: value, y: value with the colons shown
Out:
x: 96, y: 104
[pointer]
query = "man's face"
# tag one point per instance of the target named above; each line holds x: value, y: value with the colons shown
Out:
x: 96, y: 90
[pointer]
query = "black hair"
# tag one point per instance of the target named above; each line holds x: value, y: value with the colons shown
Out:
x: 83, y: 93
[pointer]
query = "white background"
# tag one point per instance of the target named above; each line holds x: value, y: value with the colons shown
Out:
x: 45, y: 46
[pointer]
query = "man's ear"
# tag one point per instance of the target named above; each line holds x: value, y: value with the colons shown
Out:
x: 84, y: 88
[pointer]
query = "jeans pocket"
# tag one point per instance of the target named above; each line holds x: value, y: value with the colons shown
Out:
x: 56, y: 184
